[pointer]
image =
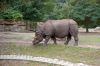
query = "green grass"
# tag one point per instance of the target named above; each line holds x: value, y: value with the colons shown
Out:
x: 68, y: 53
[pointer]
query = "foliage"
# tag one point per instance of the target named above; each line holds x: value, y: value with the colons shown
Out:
x: 85, y: 12
x: 12, y: 14
x: 32, y: 11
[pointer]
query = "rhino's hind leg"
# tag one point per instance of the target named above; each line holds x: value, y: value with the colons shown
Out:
x: 76, y: 40
x: 68, y: 39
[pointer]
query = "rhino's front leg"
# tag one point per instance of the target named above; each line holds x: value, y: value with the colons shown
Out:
x: 46, y: 40
x: 54, y: 39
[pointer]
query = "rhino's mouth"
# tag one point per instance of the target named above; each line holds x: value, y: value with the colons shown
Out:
x: 36, y: 42
x: 38, y: 38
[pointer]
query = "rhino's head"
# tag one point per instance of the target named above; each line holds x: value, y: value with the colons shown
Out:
x: 38, y: 38
x: 38, y: 34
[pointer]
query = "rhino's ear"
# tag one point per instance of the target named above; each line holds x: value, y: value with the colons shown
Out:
x: 40, y: 23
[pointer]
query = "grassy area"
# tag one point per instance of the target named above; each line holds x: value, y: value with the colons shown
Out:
x: 68, y: 53
x: 73, y: 54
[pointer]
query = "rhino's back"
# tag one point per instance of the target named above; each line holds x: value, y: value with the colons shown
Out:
x: 59, y: 28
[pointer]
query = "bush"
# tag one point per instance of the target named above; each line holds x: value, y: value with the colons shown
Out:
x: 12, y: 15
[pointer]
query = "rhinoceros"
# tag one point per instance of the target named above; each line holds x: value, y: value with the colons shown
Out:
x: 56, y: 29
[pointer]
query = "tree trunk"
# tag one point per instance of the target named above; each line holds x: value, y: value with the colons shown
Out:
x: 26, y: 25
x: 87, y: 24
x: 4, y: 27
x: 87, y: 29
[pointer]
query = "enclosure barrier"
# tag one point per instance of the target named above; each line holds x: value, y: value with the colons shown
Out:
x: 40, y: 59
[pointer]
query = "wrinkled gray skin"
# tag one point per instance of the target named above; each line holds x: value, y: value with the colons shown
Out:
x: 56, y: 29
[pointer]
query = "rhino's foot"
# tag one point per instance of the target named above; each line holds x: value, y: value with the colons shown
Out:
x: 76, y: 43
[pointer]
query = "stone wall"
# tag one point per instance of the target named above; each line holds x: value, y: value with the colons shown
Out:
x: 13, y: 28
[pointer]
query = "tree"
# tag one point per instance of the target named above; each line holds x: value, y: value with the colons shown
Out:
x: 87, y: 13
x: 58, y: 9
x: 12, y: 15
